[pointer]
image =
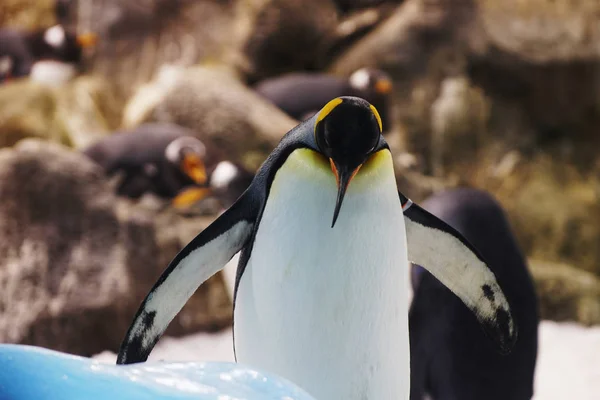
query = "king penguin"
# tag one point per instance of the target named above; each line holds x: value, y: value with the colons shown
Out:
x: 321, y: 289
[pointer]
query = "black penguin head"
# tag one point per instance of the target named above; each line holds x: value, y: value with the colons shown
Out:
x: 187, y: 153
x: 55, y: 43
x: 347, y: 132
x: 371, y: 81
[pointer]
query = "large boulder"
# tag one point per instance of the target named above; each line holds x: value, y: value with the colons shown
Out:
x: 287, y: 35
x: 566, y: 293
x: 75, y: 114
x: 76, y: 262
x: 214, y: 103
x: 29, y: 14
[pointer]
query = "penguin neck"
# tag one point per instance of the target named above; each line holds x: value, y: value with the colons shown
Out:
x: 327, y: 307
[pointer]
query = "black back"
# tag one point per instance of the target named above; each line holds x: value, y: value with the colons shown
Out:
x: 140, y: 155
x: 300, y: 95
x: 450, y: 358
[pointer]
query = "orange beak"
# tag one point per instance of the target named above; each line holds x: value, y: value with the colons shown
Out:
x: 190, y: 196
x: 343, y: 177
x: 86, y: 40
x: 193, y: 167
x: 383, y: 86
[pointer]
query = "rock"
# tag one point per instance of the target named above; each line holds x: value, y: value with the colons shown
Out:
x: 288, y: 35
x: 75, y: 261
x: 566, y: 293
x: 459, y: 118
x: 28, y: 109
x: 553, y: 205
x: 543, y: 31
x: 417, y: 33
x: 29, y: 14
x: 217, y: 106
x: 136, y: 38
x: 75, y: 114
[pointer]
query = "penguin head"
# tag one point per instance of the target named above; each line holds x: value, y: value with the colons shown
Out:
x: 347, y: 132
x: 371, y: 80
x: 187, y: 153
x: 61, y: 45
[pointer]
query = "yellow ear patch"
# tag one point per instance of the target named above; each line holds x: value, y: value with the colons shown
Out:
x: 326, y: 110
x: 377, y: 116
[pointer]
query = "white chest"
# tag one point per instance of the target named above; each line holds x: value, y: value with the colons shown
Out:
x: 52, y: 73
x: 327, y: 307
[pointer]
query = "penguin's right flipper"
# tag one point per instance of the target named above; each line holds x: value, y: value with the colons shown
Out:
x: 448, y: 256
x: 204, y: 256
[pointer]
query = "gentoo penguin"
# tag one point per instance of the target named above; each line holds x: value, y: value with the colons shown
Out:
x: 301, y: 95
x: 51, y: 56
x: 154, y: 158
x: 321, y: 289
x: 449, y: 359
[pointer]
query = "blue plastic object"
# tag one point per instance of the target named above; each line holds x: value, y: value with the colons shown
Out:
x: 28, y: 373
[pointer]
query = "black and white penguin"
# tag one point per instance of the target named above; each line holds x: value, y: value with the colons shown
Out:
x: 169, y: 161
x: 324, y: 302
x: 52, y: 56
x: 449, y: 358
x: 154, y: 158
x: 301, y: 95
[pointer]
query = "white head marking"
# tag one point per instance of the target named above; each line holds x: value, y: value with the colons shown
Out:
x: 55, y: 36
x: 223, y: 174
x: 360, y: 79
x: 173, y: 150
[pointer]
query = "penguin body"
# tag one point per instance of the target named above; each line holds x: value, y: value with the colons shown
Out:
x: 275, y: 312
x: 141, y: 155
x: 324, y: 303
x: 52, y: 56
x: 449, y: 358
x: 301, y: 95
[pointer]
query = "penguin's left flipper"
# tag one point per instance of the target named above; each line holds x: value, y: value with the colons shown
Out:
x: 204, y: 256
x: 444, y: 252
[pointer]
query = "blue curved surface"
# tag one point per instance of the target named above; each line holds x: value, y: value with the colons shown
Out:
x: 28, y: 372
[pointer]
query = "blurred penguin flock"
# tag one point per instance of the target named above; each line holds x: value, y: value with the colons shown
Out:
x: 127, y: 126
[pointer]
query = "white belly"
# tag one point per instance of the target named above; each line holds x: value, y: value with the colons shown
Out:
x: 327, y: 307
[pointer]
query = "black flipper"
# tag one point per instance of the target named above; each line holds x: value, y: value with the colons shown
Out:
x: 448, y: 256
x: 199, y: 260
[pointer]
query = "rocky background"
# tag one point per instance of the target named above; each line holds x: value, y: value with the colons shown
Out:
x: 500, y: 95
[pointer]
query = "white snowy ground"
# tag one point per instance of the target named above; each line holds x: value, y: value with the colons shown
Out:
x: 568, y: 366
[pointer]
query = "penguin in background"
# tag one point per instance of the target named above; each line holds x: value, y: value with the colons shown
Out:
x: 301, y: 95
x: 321, y: 292
x: 449, y: 359
x: 162, y: 159
x: 170, y: 162
x: 52, y: 56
